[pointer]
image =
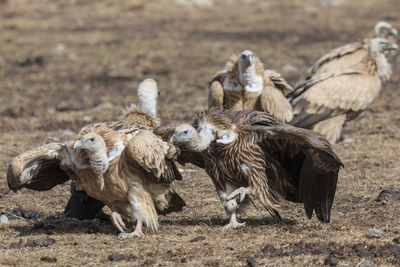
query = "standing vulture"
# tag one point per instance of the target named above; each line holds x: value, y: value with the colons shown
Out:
x: 249, y: 152
x: 243, y: 84
x: 121, y: 163
x: 349, y: 54
x: 326, y: 101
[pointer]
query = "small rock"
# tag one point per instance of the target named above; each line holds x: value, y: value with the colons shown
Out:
x: 375, y: 233
x: 331, y: 261
x: 131, y: 257
x: 387, y: 194
x: 251, y: 262
x: 16, y: 245
x: 60, y: 49
x: 115, y: 257
x: 31, y: 62
x: 367, y: 264
x: 48, y: 259
x: 4, y: 219
x: 40, y: 242
x: 198, y: 238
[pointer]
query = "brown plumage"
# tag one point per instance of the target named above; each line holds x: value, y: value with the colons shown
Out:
x: 349, y: 54
x: 243, y: 84
x: 121, y: 163
x: 249, y: 152
x: 326, y: 101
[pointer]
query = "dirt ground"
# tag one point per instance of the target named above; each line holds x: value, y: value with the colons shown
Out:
x: 64, y: 64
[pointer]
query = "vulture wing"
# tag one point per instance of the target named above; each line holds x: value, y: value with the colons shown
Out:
x: 335, y: 54
x: 154, y: 155
x: 305, y: 166
x: 273, y: 98
x: 40, y: 168
x: 186, y: 155
x: 333, y: 93
x: 215, y: 94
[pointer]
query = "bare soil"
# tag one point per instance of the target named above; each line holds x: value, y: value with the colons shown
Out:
x: 64, y: 64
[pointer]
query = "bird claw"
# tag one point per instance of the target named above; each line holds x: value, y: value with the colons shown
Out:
x: 135, y: 233
x: 242, y: 192
x: 233, y: 225
x: 118, y: 222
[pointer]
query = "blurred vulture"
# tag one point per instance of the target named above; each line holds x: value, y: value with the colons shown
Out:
x: 251, y: 153
x: 350, y: 54
x: 243, y: 84
x: 326, y: 101
x: 121, y: 163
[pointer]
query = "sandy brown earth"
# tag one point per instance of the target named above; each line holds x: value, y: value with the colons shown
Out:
x: 64, y: 64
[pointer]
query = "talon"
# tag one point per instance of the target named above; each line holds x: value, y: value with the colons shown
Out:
x: 242, y: 192
x: 233, y: 225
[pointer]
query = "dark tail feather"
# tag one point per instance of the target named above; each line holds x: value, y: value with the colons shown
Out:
x: 81, y: 206
x: 176, y: 204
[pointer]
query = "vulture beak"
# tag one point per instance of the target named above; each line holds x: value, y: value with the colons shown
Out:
x: 394, y: 31
x: 251, y: 59
x: 173, y: 137
x: 394, y: 47
x: 78, y: 144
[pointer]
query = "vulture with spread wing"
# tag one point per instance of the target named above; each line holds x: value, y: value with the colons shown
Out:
x: 249, y: 152
x: 244, y: 84
x: 349, y: 54
x: 122, y: 163
x: 326, y: 101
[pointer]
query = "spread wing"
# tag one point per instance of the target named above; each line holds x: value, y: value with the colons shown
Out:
x: 277, y: 81
x: 40, y: 168
x: 331, y: 94
x: 335, y: 54
x: 152, y: 154
x: 302, y: 165
x: 185, y: 154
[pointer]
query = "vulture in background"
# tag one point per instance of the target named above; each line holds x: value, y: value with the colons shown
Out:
x: 251, y: 153
x: 326, y: 101
x: 121, y: 163
x: 244, y: 84
x: 349, y: 54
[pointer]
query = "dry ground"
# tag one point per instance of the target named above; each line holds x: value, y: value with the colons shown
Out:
x: 64, y: 64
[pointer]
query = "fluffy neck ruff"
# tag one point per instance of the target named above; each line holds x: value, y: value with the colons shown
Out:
x: 247, y: 74
x: 99, y: 161
x: 383, y: 67
x: 202, y: 140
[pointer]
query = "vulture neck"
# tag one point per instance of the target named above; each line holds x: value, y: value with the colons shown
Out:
x: 247, y: 74
x: 148, y: 105
x: 202, y: 139
x: 98, y: 161
x: 383, y: 67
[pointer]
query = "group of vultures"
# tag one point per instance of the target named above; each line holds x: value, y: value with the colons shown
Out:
x: 259, y: 137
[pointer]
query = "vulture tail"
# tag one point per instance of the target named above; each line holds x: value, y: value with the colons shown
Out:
x: 175, y: 204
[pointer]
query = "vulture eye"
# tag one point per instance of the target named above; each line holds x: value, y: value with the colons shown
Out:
x: 385, y: 30
x: 243, y: 56
x: 91, y: 140
x: 186, y: 133
x: 383, y: 44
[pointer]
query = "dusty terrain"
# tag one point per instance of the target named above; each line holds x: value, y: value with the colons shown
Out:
x: 64, y: 64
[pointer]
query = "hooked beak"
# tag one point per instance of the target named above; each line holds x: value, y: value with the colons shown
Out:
x: 251, y: 59
x: 77, y: 145
x: 173, y: 137
x: 394, y: 47
x: 394, y: 32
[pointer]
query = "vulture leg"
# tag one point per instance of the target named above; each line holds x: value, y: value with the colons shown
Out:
x: 231, y: 207
x: 118, y: 222
x: 331, y: 128
x: 138, y: 231
x: 233, y: 223
x: 242, y: 192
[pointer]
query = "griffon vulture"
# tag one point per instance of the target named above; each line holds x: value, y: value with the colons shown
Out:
x: 349, y: 54
x: 122, y: 164
x: 244, y: 84
x: 326, y: 101
x: 251, y: 153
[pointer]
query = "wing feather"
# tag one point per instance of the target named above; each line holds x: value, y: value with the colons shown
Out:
x: 40, y: 168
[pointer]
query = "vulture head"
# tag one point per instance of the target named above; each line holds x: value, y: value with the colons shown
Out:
x: 147, y: 93
x: 197, y: 140
x: 246, y: 59
x: 377, y: 49
x: 91, y: 151
x: 384, y: 29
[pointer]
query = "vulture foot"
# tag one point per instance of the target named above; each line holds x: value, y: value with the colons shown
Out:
x: 118, y: 222
x: 242, y: 192
x: 234, y: 223
x: 138, y: 232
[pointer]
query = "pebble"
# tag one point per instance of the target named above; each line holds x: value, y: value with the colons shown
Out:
x: 331, y: 261
x: 4, y: 219
x: 375, y: 233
